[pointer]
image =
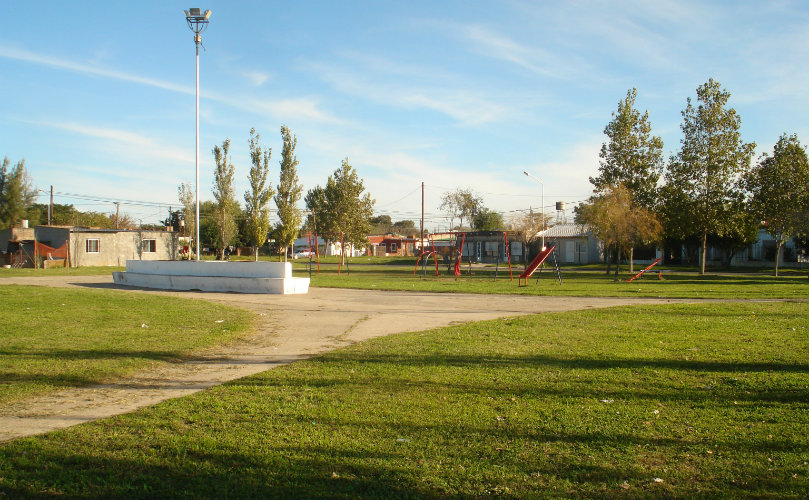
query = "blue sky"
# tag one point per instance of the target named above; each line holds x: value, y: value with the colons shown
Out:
x: 98, y: 97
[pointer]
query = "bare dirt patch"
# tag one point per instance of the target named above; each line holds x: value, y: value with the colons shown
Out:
x: 291, y: 328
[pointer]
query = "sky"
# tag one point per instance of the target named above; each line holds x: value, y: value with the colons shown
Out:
x: 99, y: 97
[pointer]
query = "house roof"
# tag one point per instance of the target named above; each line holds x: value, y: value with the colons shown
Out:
x: 566, y: 231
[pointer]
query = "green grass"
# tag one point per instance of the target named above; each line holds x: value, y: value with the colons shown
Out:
x: 574, y: 283
x: 54, y: 338
x: 60, y: 271
x: 711, y: 399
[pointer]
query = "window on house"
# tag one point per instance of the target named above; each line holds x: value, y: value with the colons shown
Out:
x: 149, y: 246
x: 393, y: 248
x: 91, y: 246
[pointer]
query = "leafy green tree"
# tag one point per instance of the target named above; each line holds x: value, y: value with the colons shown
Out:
x: 704, y: 179
x: 17, y: 195
x: 257, y: 198
x: 288, y: 195
x: 619, y: 223
x: 347, y: 209
x: 631, y: 156
x: 224, y: 196
x: 487, y: 220
x: 407, y: 227
x: 780, y: 191
x: 460, y: 204
x: 316, y: 215
x: 380, y: 224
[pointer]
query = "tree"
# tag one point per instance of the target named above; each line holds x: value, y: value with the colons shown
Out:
x: 315, y: 200
x: 17, y: 195
x: 407, y: 227
x: 288, y: 195
x: 346, y: 208
x: 631, y: 156
x: 780, y: 191
x: 124, y: 221
x: 186, y: 196
x: 526, y: 227
x: 706, y: 175
x: 487, y: 220
x: 380, y: 224
x: 225, y: 198
x: 461, y: 204
x: 619, y: 223
x: 257, y: 198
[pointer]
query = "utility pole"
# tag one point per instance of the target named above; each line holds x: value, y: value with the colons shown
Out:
x: 117, y: 215
x: 50, y: 207
x: 422, y: 216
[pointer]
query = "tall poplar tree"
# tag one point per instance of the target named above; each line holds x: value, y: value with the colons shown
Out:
x: 257, y: 198
x: 224, y: 196
x: 706, y: 175
x: 288, y: 194
x: 780, y: 188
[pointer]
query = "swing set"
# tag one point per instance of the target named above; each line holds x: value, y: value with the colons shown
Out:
x: 456, y: 254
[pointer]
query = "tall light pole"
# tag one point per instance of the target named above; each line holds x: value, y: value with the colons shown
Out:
x: 198, y: 22
x: 542, y: 211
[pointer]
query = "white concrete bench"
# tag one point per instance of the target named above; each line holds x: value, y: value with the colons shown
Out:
x: 212, y: 276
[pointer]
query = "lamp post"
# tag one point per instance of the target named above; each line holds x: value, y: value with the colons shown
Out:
x: 198, y: 22
x: 543, y: 205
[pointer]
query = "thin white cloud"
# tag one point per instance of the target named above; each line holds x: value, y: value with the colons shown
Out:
x: 296, y: 107
x: 257, y: 78
x: 143, y: 145
x: 453, y: 99
x: 31, y: 57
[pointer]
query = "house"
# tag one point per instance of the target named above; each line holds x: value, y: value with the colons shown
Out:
x: 332, y: 248
x: 481, y: 246
x: 81, y: 246
x: 392, y: 244
x: 575, y: 243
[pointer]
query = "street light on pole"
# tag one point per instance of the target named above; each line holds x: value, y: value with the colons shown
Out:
x: 542, y: 211
x: 198, y: 22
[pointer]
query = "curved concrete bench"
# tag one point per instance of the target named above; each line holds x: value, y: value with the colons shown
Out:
x: 212, y: 276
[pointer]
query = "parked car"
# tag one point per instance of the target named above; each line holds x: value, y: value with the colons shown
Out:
x: 303, y: 254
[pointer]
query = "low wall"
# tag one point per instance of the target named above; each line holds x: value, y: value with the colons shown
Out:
x: 213, y: 276
x: 215, y: 268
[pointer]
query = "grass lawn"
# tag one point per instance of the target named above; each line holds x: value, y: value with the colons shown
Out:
x: 53, y: 338
x: 676, y: 284
x: 676, y: 401
x: 60, y: 271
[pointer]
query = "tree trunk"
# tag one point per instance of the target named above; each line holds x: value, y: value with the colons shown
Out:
x: 617, y: 260
x: 631, y: 260
x: 608, y: 258
x: 704, y: 251
x: 777, y: 255
x: 256, y: 252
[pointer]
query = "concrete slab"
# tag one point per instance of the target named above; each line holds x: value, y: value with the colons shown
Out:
x: 213, y: 276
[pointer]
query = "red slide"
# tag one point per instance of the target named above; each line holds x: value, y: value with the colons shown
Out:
x: 538, y: 260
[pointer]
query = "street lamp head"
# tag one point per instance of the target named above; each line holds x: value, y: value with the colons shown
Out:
x: 526, y: 173
x: 197, y: 20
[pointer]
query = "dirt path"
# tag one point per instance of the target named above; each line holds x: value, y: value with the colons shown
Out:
x: 291, y: 328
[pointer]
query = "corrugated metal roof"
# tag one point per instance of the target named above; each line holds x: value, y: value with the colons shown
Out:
x: 566, y: 231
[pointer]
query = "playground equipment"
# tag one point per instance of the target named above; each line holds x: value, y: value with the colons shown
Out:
x: 659, y: 274
x: 453, y: 254
x: 538, y: 260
